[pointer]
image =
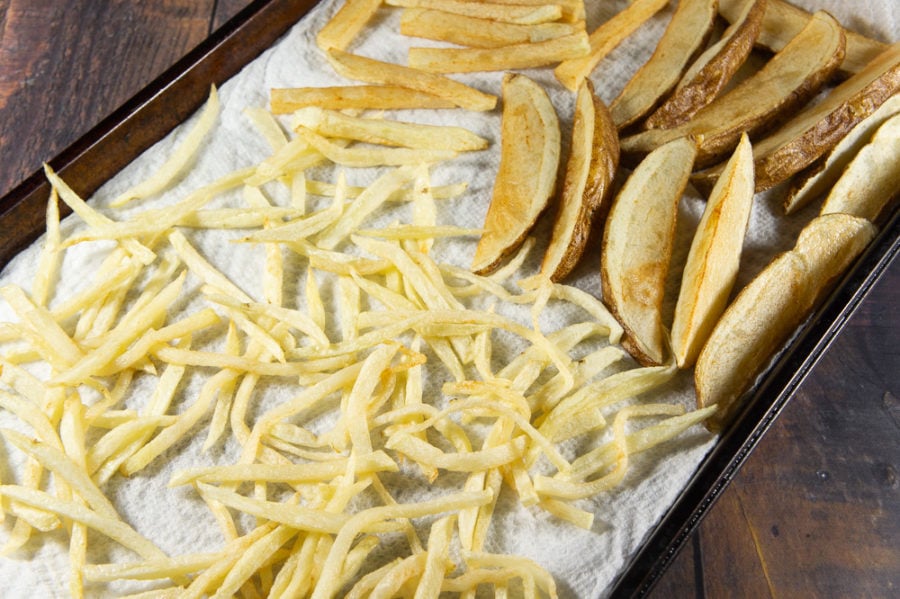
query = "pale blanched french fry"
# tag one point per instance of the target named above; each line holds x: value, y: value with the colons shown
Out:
x: 514, y: 56
x: 363, y: 97
x: 521, y: 14
x: 346, y: 24
x: 477, y: 33
x: 375, y: 71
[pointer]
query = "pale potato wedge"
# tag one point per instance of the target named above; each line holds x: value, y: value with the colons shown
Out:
x: 637, y: 247
x: 771, y: 307
x: 526, y: 177
x: 816, y: 180
x: 785, y: 83
x: 712, y: 71
x: 784, y: 20
x: 712, y: 263
x: 590, y: 170
x: 816, y: 129
x: 872, y: 179
x: 684, y: 38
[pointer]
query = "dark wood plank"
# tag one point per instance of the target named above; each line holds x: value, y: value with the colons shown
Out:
x: 66, y: 65
x: 225, y: 10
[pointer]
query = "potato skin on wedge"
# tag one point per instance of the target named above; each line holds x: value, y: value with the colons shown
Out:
x: 771, y: 307
x: 684, y: 38
x: 787, y: 81
x: 712, y: 71
x: 637, y: 247
x: 526, y: 177
x: 816, y: 129
x: 590, y: 170
x: 714, y: 257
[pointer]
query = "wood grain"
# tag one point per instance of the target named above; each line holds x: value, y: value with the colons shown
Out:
x: 816, y: 509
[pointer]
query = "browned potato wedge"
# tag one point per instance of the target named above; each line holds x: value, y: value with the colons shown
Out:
x: 771, y: 307
x: 817, y: 128
x: 590, y: 170
x: 816, y: 180
x: 684, y: 37
x: 637, y: 247
x: 712, y: 71
x: 783, y: 21
x: 872, y: 179
x: 714, y: 257
x: 526, y: 177
x: 784, y: 84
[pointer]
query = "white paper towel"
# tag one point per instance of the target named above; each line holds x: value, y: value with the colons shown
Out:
x: 584, y: 563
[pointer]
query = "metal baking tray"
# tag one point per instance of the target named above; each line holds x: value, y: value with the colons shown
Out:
x: 178, y: 92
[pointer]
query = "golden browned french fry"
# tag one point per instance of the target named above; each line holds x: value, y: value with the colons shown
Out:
x: 529, y: 157
x: 816, y: 180
x: 572, y: 10
x: 346, y: 23
x: 361, y: 97
x: 771, y: 307
x: 785, y: 83
x: 370, y: 70
x: 817, y: 128
x: 710, y: 73
x: 714, y: 257
x: 515, y: 13
x: 605, y: 38
x: 683, y: 39
x: 872, y: 179
x: 516, y: 56
x: 590, y: 170
x: 475, y: 32
x: 784, y: 20
x: 637, y: 247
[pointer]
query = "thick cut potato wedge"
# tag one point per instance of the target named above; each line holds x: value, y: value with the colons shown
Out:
x: 772, y: 306
x: 369, y: 70
x: 637, y: 247
x: 783, y: 21
x: 605, y: 38
x: 714, y: 257
x: 683, y: 39
x: 526, y: 177
x: 516, y: 56
x: 710, y: 73
x: 816, y: 129
x: 872, y: 179
x: 816, y: 180
x: 590, y: 171
x: 784, y: 84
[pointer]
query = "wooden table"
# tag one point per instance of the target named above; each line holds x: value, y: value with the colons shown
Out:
x: 814, y: 512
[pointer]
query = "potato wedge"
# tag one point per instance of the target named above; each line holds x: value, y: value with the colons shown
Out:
x: 816, y: 129
x: 590, y: 170
x: 784, y: 84
x: 683, y: 39
x: 369, y: 70
x: 526, y: 177
x: 872, y: 179
x: 515, y: 56
x: 816, y: 180
x: 784, y: 20
x: 714, y: 257
x: 710, y: 73
x: 605, y: 38
x: 637, y: 247
x: 771, y: 307
x: 475, y: 32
